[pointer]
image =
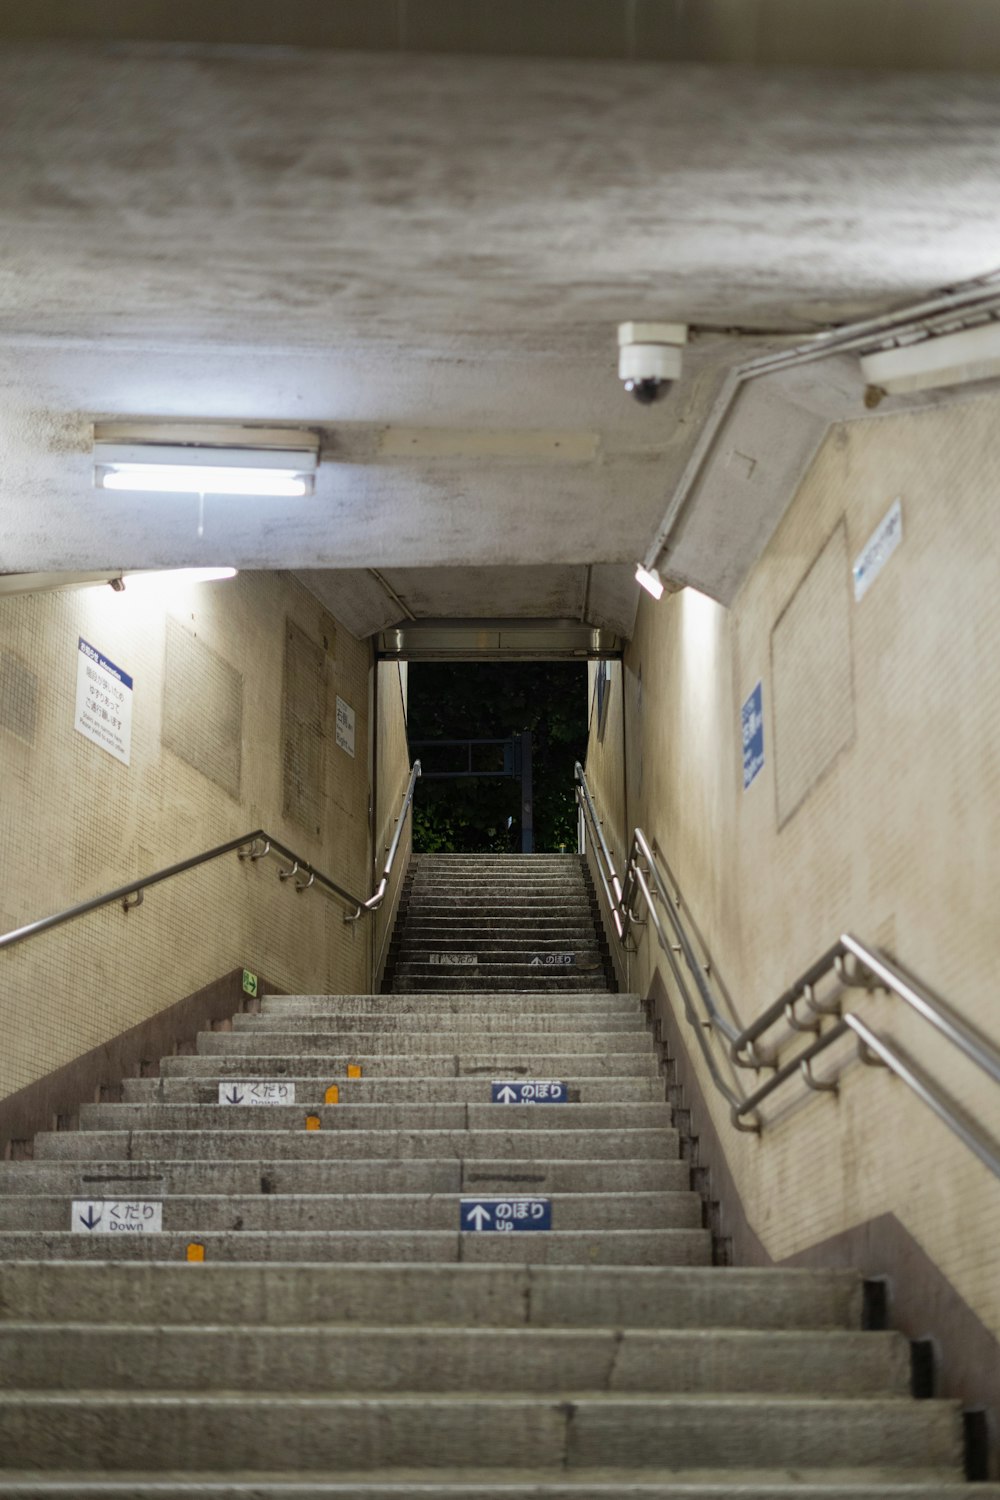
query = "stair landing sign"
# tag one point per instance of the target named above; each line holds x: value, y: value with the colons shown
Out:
x: 504, y: 1215
x: 256, y: 1091
x: 116, y: 1216
x: 530, y: 1091
x: 466, y: 960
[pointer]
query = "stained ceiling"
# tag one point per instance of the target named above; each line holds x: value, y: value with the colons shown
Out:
x: 425, y: 259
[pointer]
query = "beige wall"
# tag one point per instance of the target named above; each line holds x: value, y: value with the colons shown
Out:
x: 877, y: 811
x: 75, y: 822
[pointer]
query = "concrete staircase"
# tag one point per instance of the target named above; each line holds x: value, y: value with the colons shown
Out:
x: 344, y: 1337
x: 498, y: 922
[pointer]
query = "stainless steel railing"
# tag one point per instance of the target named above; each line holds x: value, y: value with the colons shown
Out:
x: 374, y: 901
x: 799, y: 1011
x: 258, y: 844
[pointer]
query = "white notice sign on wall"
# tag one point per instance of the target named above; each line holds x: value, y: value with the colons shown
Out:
x: 103, y: 702
x: 345, y: 726
x: 877, y: 550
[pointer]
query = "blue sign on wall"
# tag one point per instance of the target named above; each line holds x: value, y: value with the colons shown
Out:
x: 752, y: 718
x: 504, y: 1215
x: 537, y: 1091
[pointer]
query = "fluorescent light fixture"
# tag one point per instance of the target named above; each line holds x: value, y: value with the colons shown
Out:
x: 179, y: 575
x: 650, y: 580
x: 195, y: 479
x: 949, y: 359
x: 201, y: 467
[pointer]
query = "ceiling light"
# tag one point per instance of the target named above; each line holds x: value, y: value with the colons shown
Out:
x: 650, y: 580
x: 949, y: 359
x: 174, y: 466
x: 175, y: 575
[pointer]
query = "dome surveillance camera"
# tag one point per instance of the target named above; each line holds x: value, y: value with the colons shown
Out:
x: 649, y: 358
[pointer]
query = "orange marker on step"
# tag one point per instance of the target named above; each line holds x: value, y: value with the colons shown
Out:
x: 195, y: 1251
x: 354, y: 1070
x: 332, y: 1095
x: 313, y: 1122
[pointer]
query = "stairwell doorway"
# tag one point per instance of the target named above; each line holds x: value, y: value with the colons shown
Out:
x: 497, y: 741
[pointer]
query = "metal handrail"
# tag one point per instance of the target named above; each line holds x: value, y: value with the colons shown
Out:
x: 851, y: 962
x: 605, y: 864
x: 247, y: 847
x: 671, y: 904
x: 967, y: 1130
x: 376, y: 900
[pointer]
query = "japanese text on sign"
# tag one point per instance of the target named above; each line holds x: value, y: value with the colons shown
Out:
x: 256, y: 1091
x: 752, y: 725
x: 529, y: 1091
x: 116, y: 1216
x: 103, y: 702
x: 877, y: 550
x: 504, y: 1215
x: 345, y: 726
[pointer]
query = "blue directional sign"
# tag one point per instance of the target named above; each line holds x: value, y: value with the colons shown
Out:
x: 530, y: 1091
x: 752, y: 730
x: 504, y: 1215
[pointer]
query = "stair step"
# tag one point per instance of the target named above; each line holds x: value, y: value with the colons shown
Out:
x: 605, y: 1247
x: 446, y: 1295
x: 447, y: 1063
x: 351, y: 1044
x: 259, y: 1145
x: 534, y: 979
x: 586, y: 1483
x: 151, y: 1178
x: 407, y: 1005
x: 341, y: 1358
x: 221, y: 1118
x: 488, y: 923
x: 128, y: 1430
x: 443, y: 1022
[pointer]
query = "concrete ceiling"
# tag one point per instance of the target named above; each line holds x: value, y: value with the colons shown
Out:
x: 425, y: 259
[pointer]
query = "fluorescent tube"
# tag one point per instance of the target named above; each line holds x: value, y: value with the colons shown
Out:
x: 202, y: 479
x: 650, y: 580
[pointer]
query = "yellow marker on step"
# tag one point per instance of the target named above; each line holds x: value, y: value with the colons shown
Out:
x: 354, y: 1070
x: 332, y: 1095
x: 313, y: 1122
x: 195, y: 1251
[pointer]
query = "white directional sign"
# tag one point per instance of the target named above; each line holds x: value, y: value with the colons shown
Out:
x: 553, y: 960
x: 504, y: 1215
x: 466, y: 959
x: 256, y: 1091
x: 116, y: 1216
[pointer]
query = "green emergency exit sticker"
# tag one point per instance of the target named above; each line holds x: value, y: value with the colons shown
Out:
x: 249, y: 983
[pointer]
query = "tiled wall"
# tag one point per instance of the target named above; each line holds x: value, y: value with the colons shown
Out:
x: 75, y: 821
x: 877, y: 811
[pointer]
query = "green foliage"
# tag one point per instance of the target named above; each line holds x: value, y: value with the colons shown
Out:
x: 494, y: 701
